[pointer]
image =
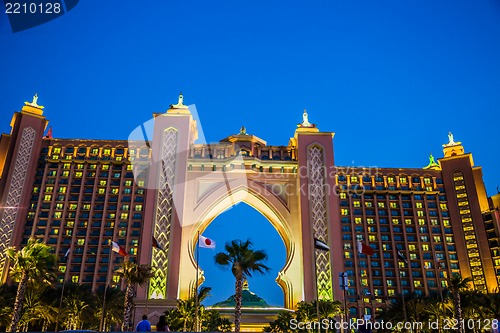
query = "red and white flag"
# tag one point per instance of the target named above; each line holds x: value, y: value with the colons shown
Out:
x: 206, y: 242
x: 364, y: 248
x: 118, y: 249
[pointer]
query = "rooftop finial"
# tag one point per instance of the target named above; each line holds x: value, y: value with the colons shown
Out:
x: 34, y: 103
x: 305, y: 120
x: 451, y: 141
x: 180, y: 103
x: 243, y: 130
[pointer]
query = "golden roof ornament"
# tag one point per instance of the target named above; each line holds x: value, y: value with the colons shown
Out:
x: 305, y: 121
x: 34, y: 103
x: 451, y: 141
x: 243, y: 131
x: 180, y: 103
x: 433, y: 165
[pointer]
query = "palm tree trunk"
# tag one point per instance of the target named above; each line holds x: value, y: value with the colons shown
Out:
x: 129, y: 304
x: 237, y: 298
x: 18, y: 305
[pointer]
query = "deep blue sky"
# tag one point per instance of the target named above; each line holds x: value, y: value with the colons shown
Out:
x: 391, y: 78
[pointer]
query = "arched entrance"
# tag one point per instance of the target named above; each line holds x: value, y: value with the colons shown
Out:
x: 190, y: 184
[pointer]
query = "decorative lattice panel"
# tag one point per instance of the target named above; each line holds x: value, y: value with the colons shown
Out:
x: 319, y: 219
x: 15, y: 190
x: 163, y: 214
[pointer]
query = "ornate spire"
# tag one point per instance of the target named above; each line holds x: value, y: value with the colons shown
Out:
x: 180, y: 103
x: 243, y: 131
x: 451, y: 141
x: 34, y: 103
x: 433, y: 165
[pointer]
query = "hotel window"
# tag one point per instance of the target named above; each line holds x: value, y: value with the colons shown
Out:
x: 425, y: 247
x: 424, y: 238
x: 449, y: 239
x: 102, y: 182
x: 446, y: 223
x: 369, y: 221
x: 411, y: 247
x: 86, y: 207
x: 381, y: 204
x: 357, y: 220
x: 105, y: 167
x: 124, y: 216
x: 368, y: 204
x: 418, y: 204
x: 343, y: 195
x: 347, y: 254
x: 114, y: 191
x: 65, y: 173
x: 403, y: 180
x: 62, y: 189
x: 413, y: 256
x: 344, y: 211
x: 129, y: 167
x: 78, y: 174
x: 106, y: 151
x: 395, y: 221
x: 73, y: 206
x: 140, y: 183
x: 47, y: 197
x: 57, y: 150
x: 420, y: 213
x: 408, y: 221
x: 59, y: 206
x: 417, y: 283
x: 74, y: 279
x: 125, y: 207
x: 354, y: 179
x: 81, y: 241
x: 128, y: 183
x: 390, y: 179
x: 67, y: 165
x: 356, y: 204
x: 101, y: 191
x: 122, y: 233
x: 394, y: 205
x: 386, y: 247
x: 427, y: 180
x: 49, y: 189
x: 421, y: 222
x: 372, y: 238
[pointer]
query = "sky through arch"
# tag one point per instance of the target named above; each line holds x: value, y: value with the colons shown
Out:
x: 243, y: 222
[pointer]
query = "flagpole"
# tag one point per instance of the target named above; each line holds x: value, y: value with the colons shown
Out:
x: 62, y: 293
x: 196, y: 286
x: 101, y: 325
x: 437, y: 265
x: 316, y: 289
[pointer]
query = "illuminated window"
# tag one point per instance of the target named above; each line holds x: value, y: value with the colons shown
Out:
x: 411, y: 247
x: 94, y: 151
x: 49, y: 189
x: 116, y: 279
x: 390, y: 179
x: 446, y: 223
x: 122, y: 233
x: 57, y: 215
x: 78, y: 174
x: 69, y: 232
x: 364, y: 282
x: 418, y: 204
x: 459, y: 187
x: 128, y: 183
x: 102, y: 182
x: 62, y: 269
x: 356, y: 204
x: 59, y: 206
x: 62, y: 189
x: 437, y: 238
x: 129, y: 167
x: 57, y: 150
x: 394, y: 205
x: 464, y: 211
x: 421, y: 221
x: 92, y: 166
x: 138, y: 208
x: 420, y: 213
x: 449, y: 239
x: 86, y: 207
x: 372, y: 238
x: 348, y: 254
x: 403, y: 180
x: 67, y: 165
x: 344, y: 211
x: 381, y: 204
x: 73, y: 206
x: 36, y: 189
x: 111, y: 215
x: 390, y: 283
x: 74, y: 279
x: 343, y: 195
x: 65, y: 173
x: 458, y: 178
x: 81, y: 241
x: 47, y: 197
x: 417, y: 283
x: 124, y: 216
x: 434, y: 222
x: 369, y: 221
x: 70, y: 224
x: 413, y: 256
x: 395, y: 221
x: 140, y: 183
x: 408, y: 221
x: 125, y: 207
x: 105, y: 167
x: 354, y: 179
x: 390, y: 292
x: 427, y: 180
x: 368, y: 204
x: 425, y: 247
x: 106, y: 151
x: 463, y: 203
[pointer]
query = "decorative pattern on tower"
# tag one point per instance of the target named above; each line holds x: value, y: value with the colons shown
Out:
x: 163, y: 215
x: 15, y: 190
x: 319, y: 219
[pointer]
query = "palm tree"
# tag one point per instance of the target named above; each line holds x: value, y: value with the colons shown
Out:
x: 243, y: 261
x: 113, y: 311
x: 457, y: 284
x: 132, y: 273
x: 33, y: 262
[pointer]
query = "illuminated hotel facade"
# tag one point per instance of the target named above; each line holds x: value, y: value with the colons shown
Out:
x: 80, y: 193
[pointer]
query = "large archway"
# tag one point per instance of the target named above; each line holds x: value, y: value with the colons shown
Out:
x: 243, y: 222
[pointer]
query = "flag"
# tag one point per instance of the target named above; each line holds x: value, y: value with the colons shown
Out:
x: 402, y: 257
x: 206, y: 242
x: 156, y: 244
x: 364, y: 248
x: 320, y: 245
x: 118, y: 249
x: 49, y: 133
x: 67, y: 254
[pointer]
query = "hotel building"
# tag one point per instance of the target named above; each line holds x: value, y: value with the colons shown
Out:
x: 79, y: 193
